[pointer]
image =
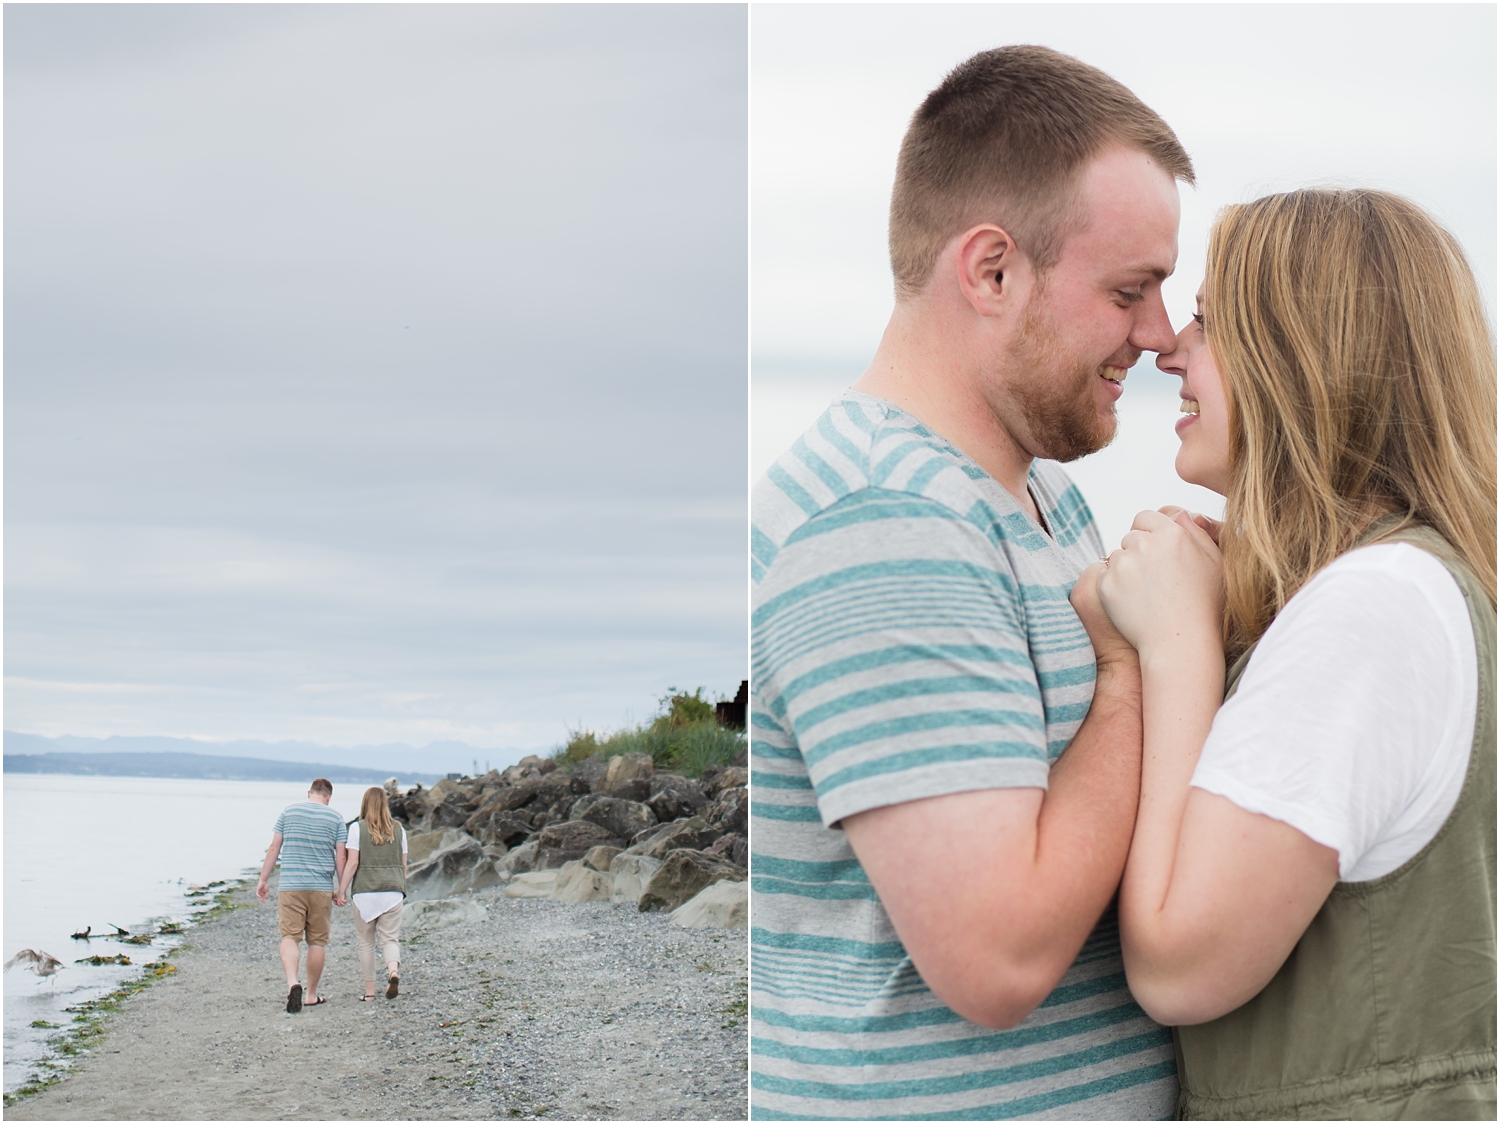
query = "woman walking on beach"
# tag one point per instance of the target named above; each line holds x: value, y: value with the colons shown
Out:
x: 376, y: 870
x: 1309, y: 896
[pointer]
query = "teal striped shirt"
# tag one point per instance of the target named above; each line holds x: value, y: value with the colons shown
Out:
x: 309, y: 833
x: 912, y: 637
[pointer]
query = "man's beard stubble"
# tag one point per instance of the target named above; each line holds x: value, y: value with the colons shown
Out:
x: 1061, y: 418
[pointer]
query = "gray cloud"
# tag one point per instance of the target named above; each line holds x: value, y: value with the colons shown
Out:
x: 373, y: 373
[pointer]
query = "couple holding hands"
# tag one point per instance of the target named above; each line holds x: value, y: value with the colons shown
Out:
x: 322, y: 861
x: 1205, y: 827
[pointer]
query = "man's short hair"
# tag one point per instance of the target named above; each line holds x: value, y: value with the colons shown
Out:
x: 1003, y: 140
x: 322, y: 787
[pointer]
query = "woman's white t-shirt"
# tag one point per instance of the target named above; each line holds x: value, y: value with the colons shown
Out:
x: 1354, y: 718
x: 371, y: 906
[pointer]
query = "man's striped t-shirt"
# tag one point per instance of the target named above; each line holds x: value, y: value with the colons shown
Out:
x: 309, y: 833
x: 912, y: 637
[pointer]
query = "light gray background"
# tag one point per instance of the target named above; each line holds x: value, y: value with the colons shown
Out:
x: 1265, y: 97
x: 373, y: 373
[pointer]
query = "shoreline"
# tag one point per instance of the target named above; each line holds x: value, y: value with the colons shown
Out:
x: 90, y: 1017
x: 515, y: 1008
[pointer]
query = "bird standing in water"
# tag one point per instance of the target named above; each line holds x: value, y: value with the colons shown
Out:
x: 83, y: 936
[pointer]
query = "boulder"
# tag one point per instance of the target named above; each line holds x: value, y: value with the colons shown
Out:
x: 720, y: 905
x: 623, y: 818
x: 630, y: 875
x: 730, y: 810
x: 419, y: 847
x: 672, y: 797
x: 569, y: 840
x: 583, y: 804
x: 716, y: 778
x: 441, y: 791
x: 638, y: 790
x: 452, y: 812
x: 505, y: 828
x: 625, y: 768
x: 682, y: 875
x: 591, y: 770
x: 727, y: 847
x: 579, y: 883
x: 531, y: 884
x: 428, y: 915
x: 694, y: 832
x: 599, y: 858
x: 451, y: 869
x: 520, y: 859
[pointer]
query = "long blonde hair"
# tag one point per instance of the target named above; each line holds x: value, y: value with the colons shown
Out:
x: 375, y: 812
x: 1360, y: 375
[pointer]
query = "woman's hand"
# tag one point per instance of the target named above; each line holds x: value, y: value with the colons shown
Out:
x: 1109, y: 646
x: 1165, y: 582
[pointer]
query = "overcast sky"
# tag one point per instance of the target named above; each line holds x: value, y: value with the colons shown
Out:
x: 372, y: 373
x: 1265, y: 97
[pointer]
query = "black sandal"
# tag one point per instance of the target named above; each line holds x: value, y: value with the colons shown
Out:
x: 390, y: 987
x: 294, y: 1000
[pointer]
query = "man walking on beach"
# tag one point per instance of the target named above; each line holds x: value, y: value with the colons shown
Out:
x: 309, y: 839
x: 945, y: 782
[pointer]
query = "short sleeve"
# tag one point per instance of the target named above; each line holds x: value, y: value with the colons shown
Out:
x: 905, y: 674
x: 1352, y: 720
x: 402, y: 830
x: 280, y: 828
x: 352, y: 842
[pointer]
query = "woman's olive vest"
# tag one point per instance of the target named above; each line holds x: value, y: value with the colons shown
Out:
x: 1385, y: 1010
x: 380, y: 868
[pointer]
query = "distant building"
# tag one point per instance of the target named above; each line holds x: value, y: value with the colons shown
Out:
x: 732, y: 713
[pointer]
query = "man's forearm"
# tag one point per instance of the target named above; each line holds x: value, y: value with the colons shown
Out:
x: 993, y: 892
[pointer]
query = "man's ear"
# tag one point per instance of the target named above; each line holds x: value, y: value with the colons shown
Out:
x: 987, y: 262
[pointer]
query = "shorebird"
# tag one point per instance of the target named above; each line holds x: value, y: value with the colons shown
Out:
x: 42, y: 963
x: 83, y: 936
x: 119, y: 932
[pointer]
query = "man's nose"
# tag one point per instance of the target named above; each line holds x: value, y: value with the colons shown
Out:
x: 1153, y: 329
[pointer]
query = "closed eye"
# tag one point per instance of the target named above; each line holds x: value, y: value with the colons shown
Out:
x: 1129, y: 297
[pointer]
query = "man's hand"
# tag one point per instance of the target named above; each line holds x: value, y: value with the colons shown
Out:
x: 1109, y: 646
x: 262, y: 891
x: 262, y: 887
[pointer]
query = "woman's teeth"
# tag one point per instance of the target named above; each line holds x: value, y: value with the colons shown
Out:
x: 1114, y: 374
x: 1188, y: 407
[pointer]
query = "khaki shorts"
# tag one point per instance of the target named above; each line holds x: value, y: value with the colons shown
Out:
x: 309, y: 910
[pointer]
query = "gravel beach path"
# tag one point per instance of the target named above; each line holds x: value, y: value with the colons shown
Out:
x: 536, y: 1010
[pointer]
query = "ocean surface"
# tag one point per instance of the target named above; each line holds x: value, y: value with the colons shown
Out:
x: 102, y: 851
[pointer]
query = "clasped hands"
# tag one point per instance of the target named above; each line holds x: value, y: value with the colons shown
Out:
x: 1165, y: 581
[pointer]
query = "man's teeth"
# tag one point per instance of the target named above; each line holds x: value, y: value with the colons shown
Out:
x: 1188, y: 407
x: 1114, y: 374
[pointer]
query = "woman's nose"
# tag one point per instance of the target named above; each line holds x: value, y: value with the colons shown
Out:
x: 1174, y: 362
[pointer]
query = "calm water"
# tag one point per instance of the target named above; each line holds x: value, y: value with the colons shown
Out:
x: 97, y: 851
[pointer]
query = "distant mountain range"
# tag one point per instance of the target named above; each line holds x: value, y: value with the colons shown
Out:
x: 200, y: 767
x: 436, y: 758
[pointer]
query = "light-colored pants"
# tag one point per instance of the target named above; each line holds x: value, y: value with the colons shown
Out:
x: 388, y: 926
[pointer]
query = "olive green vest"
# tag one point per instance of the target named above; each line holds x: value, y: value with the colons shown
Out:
x: 380, y: 868
x: 1385, y: 1010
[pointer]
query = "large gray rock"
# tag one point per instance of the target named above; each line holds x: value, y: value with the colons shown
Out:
x: 451, y: 869
x: 419, y: 848
x: 730, y: 810
x: 622, y: 818
x: 579, y: 883
x: 452, y: 812
x: 625, y: 768
x: 440, y: 914
x: 673, y: 797
x: 630, y: 874
x: 563, y: 842
x: 584, y: 803
x: 716, y: 778
x: 600, y: 857
x: 682, y: 875
x: 520, y: 859
x: 730, y: 847
x: 694, y: 832
x: 591, y: 770
x: 505, y: 828
x: 724, y: 904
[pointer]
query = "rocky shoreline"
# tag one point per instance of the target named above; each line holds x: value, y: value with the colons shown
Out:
x: 512, y: 1008
x: 611, y: 829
